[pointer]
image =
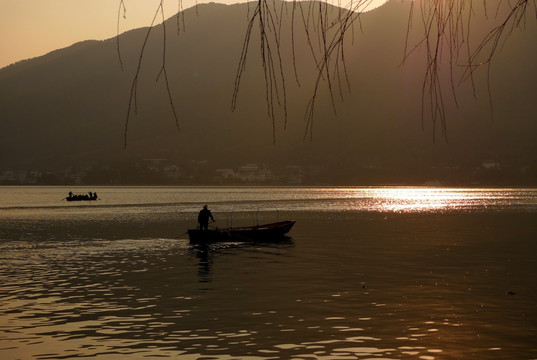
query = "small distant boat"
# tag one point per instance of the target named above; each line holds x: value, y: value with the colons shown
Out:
x: 261, y: 233
x: 81, y: 198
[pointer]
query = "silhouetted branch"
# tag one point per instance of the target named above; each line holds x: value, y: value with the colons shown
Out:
x: 447, y: 23
x: 121, y: 9
x: 325, y: 35
x: 163, y: 71
x: 446, y: 40
x: 268, y: 21
x: 134, y: 86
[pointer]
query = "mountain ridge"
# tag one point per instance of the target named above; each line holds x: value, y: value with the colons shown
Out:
x: 68, y: 108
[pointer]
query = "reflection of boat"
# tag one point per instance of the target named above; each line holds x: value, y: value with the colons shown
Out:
x: 265, y: 233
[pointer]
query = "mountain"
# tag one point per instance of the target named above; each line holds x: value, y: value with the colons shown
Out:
x: 69, y: 107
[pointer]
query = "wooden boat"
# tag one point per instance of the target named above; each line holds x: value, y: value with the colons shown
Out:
x: 80, y: 198
x: 261, y: 233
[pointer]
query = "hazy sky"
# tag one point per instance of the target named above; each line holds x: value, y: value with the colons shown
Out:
x: 30, y: 28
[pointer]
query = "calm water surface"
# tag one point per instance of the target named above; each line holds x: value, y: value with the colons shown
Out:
x: 368, y: 273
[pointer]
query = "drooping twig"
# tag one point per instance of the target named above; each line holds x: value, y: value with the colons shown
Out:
x: 134, y: 86
x: 271, y: 60
x: 121, y: 9
x: 446, y: 35
x: 163, y: 72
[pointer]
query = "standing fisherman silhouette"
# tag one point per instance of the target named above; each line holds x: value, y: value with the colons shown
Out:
x: 203, y: 217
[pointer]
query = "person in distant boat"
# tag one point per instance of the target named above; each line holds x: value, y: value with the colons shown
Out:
x: 70, y: 194
x: 95, y: 195
x: 203, y: 217
x: 90, y: 195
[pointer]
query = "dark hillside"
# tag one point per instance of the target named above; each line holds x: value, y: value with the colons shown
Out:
x: 68, y: 108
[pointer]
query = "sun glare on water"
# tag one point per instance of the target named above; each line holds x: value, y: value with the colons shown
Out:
x: 421, y: 199
x: 401, y: 199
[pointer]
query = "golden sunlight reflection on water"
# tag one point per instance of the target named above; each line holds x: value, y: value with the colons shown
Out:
x: 127, y: 203
x: 423, y: 199
x: 369, y: 273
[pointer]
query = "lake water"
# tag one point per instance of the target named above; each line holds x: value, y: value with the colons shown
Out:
x: 368, y: 273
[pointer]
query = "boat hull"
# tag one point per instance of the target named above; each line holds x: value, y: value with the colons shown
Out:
x: 260, y: 233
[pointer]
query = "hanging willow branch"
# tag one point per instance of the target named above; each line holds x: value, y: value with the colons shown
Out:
x: 325, y: 33
x: 488, y: 47
x: 163, y: 71
x: 271, y: 59
x: 121, y: 10
x: 446, y: 38
x: 447, y: 30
